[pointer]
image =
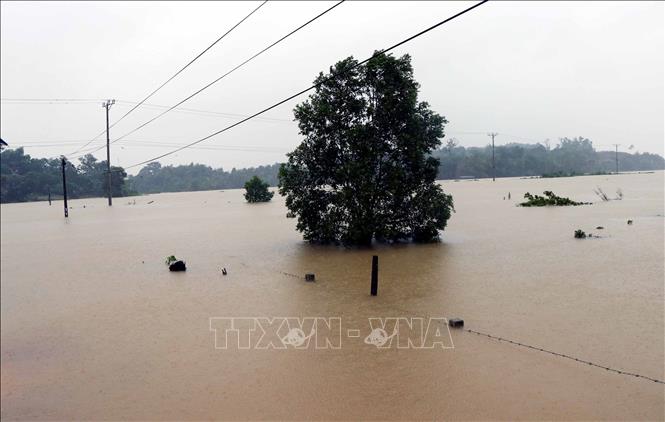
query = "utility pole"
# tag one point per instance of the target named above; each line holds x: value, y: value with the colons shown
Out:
x: 493, y: 134
x: 374, y: 286
x: 616, y: 156
x: 64, y: 185
x: 107, y: 105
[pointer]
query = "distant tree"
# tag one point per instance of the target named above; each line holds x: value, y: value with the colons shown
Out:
x: 257, y: 190
x: 364, y: 170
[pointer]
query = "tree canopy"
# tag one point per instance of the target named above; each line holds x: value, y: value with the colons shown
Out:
x: 23, y: 178
x: 364, y: 170
x: 256, y: 190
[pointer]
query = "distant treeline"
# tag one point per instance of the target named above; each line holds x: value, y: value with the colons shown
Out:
x: 570, y: 157
x: 155, y: 178
x: 23, y: 178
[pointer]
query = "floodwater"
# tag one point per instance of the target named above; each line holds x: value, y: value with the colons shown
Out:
x: 95, y: 327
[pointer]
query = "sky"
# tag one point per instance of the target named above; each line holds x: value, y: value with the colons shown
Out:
x: 530, y: 71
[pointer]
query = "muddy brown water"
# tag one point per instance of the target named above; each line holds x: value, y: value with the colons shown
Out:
x: 95, y: 327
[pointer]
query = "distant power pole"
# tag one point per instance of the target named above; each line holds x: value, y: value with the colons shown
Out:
x: 493, y: 134
x: 616, y: 156
x: 64, y: 185
x: 107, y: 105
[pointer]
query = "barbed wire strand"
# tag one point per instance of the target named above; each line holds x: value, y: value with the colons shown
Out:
x: 563, y: 355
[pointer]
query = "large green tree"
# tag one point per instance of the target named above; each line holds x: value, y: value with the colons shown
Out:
x: 364, y: 170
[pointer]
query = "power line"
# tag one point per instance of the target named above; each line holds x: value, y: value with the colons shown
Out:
x: 50, y: 142
x: 190, y: 62
x: 313, y: 86
x: 48, y: 100
x: 40, y: 145
x: 229, y: 72
x: 207, y: 112
x: 177, y: 73
x: 148, y: 144
x: 247, y: 148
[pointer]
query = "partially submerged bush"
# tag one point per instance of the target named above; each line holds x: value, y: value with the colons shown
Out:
x: 602, y: 195
x: 257, y: 190
x: 175, y: 264
x: 549, y: 199
x: 579, y: 234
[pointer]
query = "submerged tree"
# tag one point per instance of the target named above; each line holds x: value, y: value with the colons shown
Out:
x: 364, y: 170
x: 550, y: 199
x: 257, y: 190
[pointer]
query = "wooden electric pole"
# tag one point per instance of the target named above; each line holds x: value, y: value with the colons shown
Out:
x: 374, y: 285
x: 616, y: 156
x: 64, y: 185
x: 107, y: 105
x: 493, y: 134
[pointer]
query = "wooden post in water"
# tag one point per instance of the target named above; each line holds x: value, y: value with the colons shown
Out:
x: 64, y: 186
x: 375, y: 275
x: 49, y: 196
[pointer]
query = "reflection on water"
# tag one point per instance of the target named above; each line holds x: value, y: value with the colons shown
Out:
x: 94, y: 326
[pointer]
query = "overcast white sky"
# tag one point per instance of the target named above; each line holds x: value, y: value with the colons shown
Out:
x: 528, y: 70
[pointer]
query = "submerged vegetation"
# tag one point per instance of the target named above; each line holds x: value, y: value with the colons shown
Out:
x: 256, y: 190
x: 550, y: 199
x: 573, y: 174
x: 602, y: 195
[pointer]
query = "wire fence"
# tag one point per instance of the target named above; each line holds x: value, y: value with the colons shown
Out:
x: 563, y: 355
x: 539, y: 349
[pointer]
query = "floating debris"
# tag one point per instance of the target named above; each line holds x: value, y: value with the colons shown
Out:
x: 175, y: 264
x: 579, y: 234
x: 630, y: 222
x: 310, y: 277
x: 600, y: 228
x: 178, y: 266
x: 224, y: 271
x: 456, y: 322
